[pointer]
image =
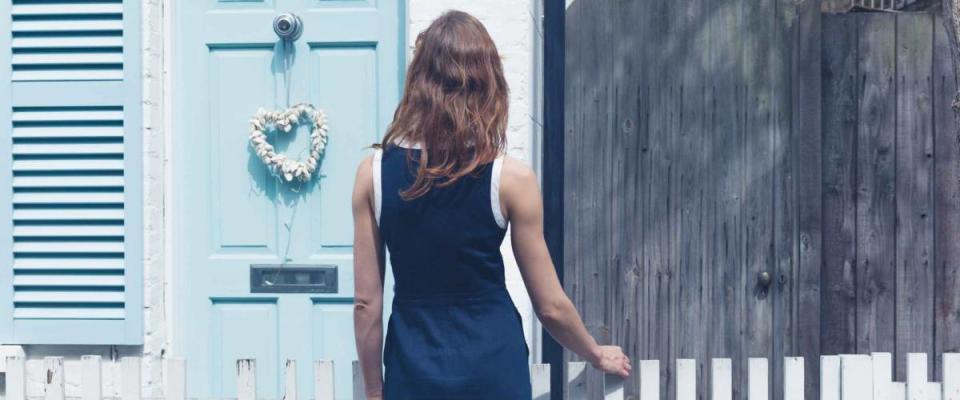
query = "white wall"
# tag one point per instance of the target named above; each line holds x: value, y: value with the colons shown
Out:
x: 510, y: 22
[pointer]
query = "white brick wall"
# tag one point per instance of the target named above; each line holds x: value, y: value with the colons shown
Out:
x: 510, y: 22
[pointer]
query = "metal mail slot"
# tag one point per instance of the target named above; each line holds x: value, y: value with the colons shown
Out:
x: 293, y: 278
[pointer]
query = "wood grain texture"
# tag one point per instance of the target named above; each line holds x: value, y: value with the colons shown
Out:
x: 838, y: 310
x: 914, y: 158
x: 785, y: 210
x: 710, y: 142
x: 876, y: 183
x: 946, y: 201
x: 807, y: 113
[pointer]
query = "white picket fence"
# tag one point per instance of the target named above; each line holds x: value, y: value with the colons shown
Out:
x: 843, y: 377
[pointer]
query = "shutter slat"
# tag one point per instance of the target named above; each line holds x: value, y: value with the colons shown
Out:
x: 51, y: 214
x: 29, y: 231
x: 68, y: 280
x: 66, y: 42
x: 68, y: 74
x: 66, y: 9
x: 67, y: 198
x: 67, y: 165
x: 80, y: 264
x: 72, y: 114
x: 67, y: 148
x: 68, y: 313
x: 68, y: 58
x: 65, y: 25
x: 67, y: 181
x: 67, y: 247
x: 25, y: 132
x: 68, y: 297
x: 73, y: 296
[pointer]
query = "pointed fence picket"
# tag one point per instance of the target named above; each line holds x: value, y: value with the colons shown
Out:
x: 842, y: 377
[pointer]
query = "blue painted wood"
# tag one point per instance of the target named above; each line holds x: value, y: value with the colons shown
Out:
x: 6, y: 193
x: 230, y: 212
x: 70, y: 220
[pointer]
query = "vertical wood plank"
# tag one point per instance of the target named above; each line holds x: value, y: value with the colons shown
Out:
x: 576, y: 379
x: 676, y: 32
x: 840, y: 106
x: 592, y: 261
x: 946, y: 188
x: 540, y: 381
x: 323, y: 380
x: 359, y: 393
x: 914, y: 158
x: 650, y: 380
x: 829, y: 377
x: 90, y: 378
x: 687, y: 186
x: 808, y: 125
x: 247, y: 379
x: 721, y: 379
x: 579, y: 38
x: 917, y: 378
x: 951, y: 376
x: 175, y: 379
x: 875, y: 183
x: 757, y: 205
x: 290, y: 380
x: 794, y: 385
x: 130, y: 378
x: 882, y: 375
x: 625, y: 168
x: 657, y: 246
x: 723, y: 183
x: 16, y: 378
x: 784, y: 331
x: 573, y: 74
x: 856, y: 377
x: 758, y: 380
x: 686, y: 384
x: 53, y: 388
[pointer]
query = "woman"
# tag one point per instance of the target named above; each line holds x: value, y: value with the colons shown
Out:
x: 440, y: 194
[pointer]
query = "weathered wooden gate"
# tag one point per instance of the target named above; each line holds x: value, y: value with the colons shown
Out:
x: 891, y: 203
x: 729, y: 192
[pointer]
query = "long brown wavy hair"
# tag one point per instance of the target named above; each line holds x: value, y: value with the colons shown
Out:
x: 454, y: 103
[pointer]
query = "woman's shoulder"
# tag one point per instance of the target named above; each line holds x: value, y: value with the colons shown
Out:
x: 516, y: 172
x: 519, y: 189
x: 365, y: 171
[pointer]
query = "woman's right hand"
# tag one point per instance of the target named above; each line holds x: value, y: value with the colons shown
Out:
x: 611, y: 360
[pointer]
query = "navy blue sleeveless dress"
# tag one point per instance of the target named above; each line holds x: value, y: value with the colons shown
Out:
x: 454, y: 332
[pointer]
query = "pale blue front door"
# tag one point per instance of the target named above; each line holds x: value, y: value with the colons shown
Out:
x: 232, y: 214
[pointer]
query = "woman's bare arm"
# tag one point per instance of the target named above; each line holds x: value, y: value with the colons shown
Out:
x: 368, y: 272
x: 523, y: 207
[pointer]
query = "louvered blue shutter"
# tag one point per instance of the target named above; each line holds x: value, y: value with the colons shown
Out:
x: 70, y: 172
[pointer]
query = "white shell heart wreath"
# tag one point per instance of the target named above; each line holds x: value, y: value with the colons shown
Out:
x: 284, y: 121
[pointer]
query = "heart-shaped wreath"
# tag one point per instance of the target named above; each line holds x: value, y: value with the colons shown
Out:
x: 284, y: 121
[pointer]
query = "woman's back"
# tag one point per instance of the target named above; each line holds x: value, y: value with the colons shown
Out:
x: 454, y: 332
x: 445, y: 243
